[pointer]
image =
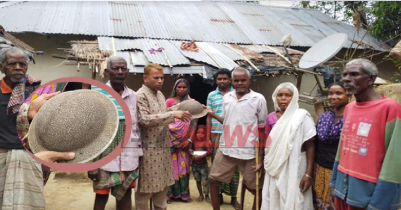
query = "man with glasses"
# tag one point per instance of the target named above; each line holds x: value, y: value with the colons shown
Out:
x: 119, y: 175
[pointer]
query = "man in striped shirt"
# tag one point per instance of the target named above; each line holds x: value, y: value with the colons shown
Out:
x: 215, y: 129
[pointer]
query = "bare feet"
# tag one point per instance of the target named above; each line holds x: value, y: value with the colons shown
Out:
x: 200, y: 199
x: 235, y: 203
x: 208, y: 199
x: 169, y: 201
x: 190, y: 200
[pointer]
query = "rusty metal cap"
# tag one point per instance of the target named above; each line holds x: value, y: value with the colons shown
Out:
x: 193, y: 107
x: 80, y: 121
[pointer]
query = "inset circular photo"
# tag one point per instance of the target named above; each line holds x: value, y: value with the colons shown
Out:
x: 74, y: 120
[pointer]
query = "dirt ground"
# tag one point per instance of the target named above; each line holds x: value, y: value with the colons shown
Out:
x: 74, y: 191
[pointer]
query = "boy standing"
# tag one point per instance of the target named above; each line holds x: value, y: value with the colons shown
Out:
x: 199, y: 164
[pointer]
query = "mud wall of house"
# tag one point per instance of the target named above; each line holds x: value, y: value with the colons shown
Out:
x: 48, y: 68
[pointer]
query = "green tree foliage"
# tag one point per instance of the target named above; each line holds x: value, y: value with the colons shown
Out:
x: 335, y: 9
x: 388, y: 21
x: 382, y: 18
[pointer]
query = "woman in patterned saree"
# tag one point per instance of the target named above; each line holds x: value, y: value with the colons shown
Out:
x: 180, y: 130
x: 329, y: 128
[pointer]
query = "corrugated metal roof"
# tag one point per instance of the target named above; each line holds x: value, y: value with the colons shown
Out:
x: 137, y: 52
x: 200, y: 56
x: 138, y: 58
x: 145, y: 45
x: 105, y: 44
x: 9, y: 3
x: 170, y: 51
x: 220, y: 58
x: 227, y: 52
x: 5, y: 41
x: 9, y: 41
x: 260, y: 49
x: 208, y: 52
x: 220, y: 22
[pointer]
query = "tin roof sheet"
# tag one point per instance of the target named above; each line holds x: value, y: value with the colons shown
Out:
x: 220, y: 22
x: 149, y: 47
x: 208, y: 52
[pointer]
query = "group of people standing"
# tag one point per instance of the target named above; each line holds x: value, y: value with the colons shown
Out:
x: 349, y: 157
x: 349, y: 160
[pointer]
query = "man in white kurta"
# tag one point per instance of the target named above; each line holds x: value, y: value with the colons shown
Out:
x: 245, y: 112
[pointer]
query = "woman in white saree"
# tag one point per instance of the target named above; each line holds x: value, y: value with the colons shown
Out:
x: 289, y: 158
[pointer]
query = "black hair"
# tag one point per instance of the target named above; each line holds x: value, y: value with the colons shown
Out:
x: 222, y: 71
x: 174, y: 92
x: 73, y: 86
x: 337, y: 83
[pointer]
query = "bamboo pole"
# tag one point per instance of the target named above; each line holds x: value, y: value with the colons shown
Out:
x: 83, y: 42
x: 165, y: 56
x: 299, y: 80
x: 93, y: 71
x: 289, y: 58
x: 210, y: 56
x: 114, y: 45
x: 257, y: 176
x: 308, y: 71
x: 245, y: 58
x: 167, y: 60
x: 66, y: 58
x: 318, y: 83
